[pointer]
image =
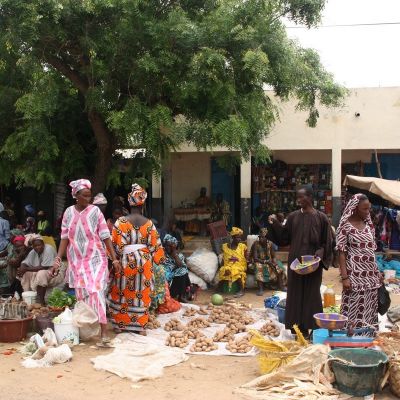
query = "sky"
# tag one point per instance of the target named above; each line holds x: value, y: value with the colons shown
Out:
x: 358, y: 56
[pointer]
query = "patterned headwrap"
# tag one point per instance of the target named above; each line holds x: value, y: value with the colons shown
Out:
x: 170, y: 239
x: 78, y: 185
x: 263, y: 232
x: 29, y: 239
x: 349, y: 211
x: 99, y: 199
x: 137, y: 197
x: 236, y: 231
x: 19, y: 238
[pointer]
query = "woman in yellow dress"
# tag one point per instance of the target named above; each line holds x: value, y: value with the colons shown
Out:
x: 234, y: 261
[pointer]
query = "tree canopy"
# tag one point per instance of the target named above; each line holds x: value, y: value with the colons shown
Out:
x: 79, y: 79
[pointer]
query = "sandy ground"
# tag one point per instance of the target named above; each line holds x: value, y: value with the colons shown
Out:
x: 200, y: 377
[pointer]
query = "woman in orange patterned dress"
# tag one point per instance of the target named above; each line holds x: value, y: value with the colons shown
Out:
x: 137, y: 242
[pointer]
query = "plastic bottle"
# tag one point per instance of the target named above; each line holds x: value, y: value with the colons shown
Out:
x: 329, y: 297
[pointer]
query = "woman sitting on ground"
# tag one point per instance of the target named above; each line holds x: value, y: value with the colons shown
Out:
x: 34, y: 270
x: 234, y: 261
x: 263, y: 259
x: 16, y: 254
x: 176, y: 270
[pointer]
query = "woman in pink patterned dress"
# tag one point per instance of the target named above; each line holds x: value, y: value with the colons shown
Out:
x: 83, y: 231
x: 355, y: 239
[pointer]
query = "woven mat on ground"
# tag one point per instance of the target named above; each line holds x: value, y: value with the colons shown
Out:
x: 306, y: 377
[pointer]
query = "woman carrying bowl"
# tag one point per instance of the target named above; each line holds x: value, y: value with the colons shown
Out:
x: 355, y: 240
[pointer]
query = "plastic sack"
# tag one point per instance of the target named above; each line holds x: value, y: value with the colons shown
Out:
x: 196, y: 280
x: 204, y: 263
x: 53, y: 355
x: 86, y: 319
x: 170, y: 305
x: 251, y: 239
x: 64, y: 318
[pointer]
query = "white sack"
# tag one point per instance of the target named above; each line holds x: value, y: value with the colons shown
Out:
x: 250, y: 240
x: 54, y: 355
x: 204, y: 263
x: 196, y: 280
x: 86, y: 319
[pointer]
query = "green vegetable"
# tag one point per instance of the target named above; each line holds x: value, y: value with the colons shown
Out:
x: 59, y: 299
x: 332, y: 309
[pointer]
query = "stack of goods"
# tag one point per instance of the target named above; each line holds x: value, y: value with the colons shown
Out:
x: 279, y: 183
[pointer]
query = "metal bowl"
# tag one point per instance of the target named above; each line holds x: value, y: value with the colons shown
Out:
x: 330, y: 321
x: 311, y: 265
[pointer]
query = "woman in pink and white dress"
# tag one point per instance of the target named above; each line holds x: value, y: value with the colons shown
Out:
x: 83, y: 232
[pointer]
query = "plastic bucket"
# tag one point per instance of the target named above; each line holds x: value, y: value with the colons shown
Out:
x: 29, y: 297
x: 66, y: 332
x: 389, y: 273
x: 363, y: 378
x: 14, y: 330
x: 281, y: 310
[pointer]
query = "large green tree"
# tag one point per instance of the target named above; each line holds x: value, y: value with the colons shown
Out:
x: 79, y: 79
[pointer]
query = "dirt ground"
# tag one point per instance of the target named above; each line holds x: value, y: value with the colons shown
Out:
x: 199, y: 377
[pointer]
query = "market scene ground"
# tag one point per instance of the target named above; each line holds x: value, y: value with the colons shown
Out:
x: 200, y: 376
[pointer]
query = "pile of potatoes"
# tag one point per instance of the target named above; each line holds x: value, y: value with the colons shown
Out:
x: 203, y: 344
x: 270, y: 329
x: 153, y: 323
x: 236, y: 327
x: 190, y: 312
x: 198, y: 323
x: 239, y: 346
x: 202, y: 311
x: 174, y: 325
x: 37, y: 309
x: 225, y: 335
x: 220, y: 315
x: 193, y: 333
x: 177, y: 339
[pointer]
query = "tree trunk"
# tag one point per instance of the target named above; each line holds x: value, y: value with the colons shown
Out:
x: 105, y: 149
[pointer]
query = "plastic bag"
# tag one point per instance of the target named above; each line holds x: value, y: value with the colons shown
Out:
x: 383, y: 300
x: 204, y: 263
x: 170, y: 305
x: 86, y: 319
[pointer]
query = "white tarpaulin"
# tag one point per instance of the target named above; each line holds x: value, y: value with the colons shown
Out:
x: 385, y: 188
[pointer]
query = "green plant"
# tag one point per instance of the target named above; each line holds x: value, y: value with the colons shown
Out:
x: 60, y: 299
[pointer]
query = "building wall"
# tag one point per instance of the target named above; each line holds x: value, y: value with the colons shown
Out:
x: 189, y: 172
x: 377, y: 127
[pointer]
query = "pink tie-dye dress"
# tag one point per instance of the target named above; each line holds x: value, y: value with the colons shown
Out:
x: 87, y: 260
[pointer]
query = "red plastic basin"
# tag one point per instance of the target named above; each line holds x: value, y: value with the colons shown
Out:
x: 14, y: 330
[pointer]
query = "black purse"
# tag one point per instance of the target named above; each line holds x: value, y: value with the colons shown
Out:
x: 383, y: 300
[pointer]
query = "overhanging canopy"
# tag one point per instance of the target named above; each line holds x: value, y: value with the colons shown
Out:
x: 385, y: 188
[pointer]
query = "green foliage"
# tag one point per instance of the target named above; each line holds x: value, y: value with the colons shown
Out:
x: 79, y: 79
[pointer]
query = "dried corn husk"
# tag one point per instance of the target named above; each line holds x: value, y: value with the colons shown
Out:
x: 274, y: 354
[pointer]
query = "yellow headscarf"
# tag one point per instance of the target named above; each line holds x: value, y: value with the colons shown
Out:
x: 236, y: 231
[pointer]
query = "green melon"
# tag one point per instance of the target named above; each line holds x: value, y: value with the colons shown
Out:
x: 217, y: 299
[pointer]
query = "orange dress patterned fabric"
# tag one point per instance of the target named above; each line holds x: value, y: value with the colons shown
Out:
x: 130, y: 295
